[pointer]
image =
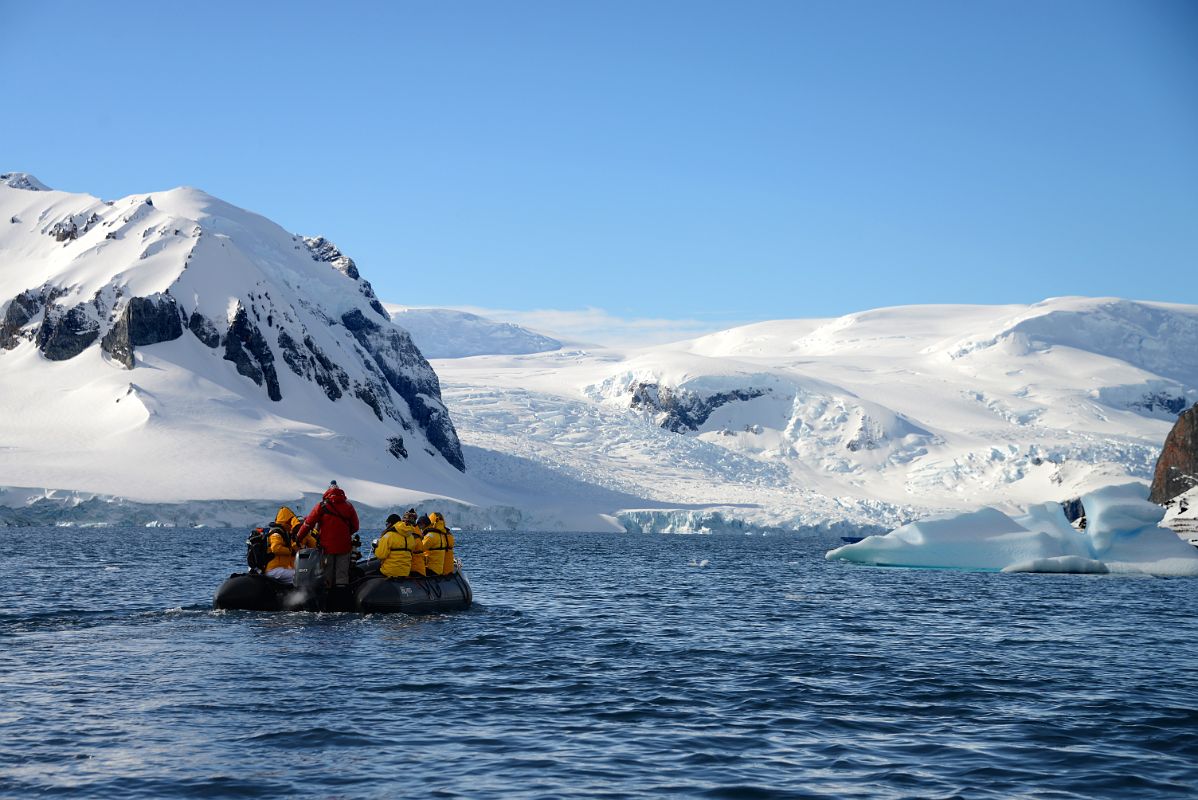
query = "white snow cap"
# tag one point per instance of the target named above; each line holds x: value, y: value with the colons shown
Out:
x: 23, y: 180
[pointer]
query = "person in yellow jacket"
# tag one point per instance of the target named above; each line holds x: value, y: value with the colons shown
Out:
x: 419, y: 565
x: 283, y: 545
x: 438, y: 546
x: 399, y: 545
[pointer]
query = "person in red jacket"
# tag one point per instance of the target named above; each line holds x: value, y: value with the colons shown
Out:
x: 336, y: 520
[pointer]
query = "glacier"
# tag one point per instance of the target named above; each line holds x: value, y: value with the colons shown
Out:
x: 866, y: 421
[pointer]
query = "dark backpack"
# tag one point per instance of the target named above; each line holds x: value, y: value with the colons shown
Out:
x: 257, y: 550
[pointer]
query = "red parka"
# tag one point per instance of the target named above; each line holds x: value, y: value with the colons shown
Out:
x: 337, y: 520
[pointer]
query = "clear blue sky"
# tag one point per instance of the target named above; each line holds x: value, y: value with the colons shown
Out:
x: 734, y: 160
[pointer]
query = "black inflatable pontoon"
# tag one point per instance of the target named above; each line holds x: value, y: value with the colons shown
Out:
x: 368, y: 592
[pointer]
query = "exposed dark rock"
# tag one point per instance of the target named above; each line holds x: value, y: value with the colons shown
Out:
x: 410, y: 375
x: 1159, y: 401
x: 682, y: 410
x: 312, y: 365
x: 1073, y: 508
x: 203, y: 329
x: 374, y: 301
x: 356, y: 322
x: 293, y: 357
x: 328, y: 382
x: 22, y: 180
x: 1177, y: 468
x: 248, y: 350
x: 20, y: 311
x: 395, y: 447
x: 144, y: 321
x: 64, y: 231
x: 116, y: 342
x: 326, y: 364
x: 323, y: 250
x: 367, y: 395
x: 153, y: 320
x: 66, y: 334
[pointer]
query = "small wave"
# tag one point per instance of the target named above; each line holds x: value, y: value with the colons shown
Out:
x: 193, y: 609
x: 317, y: 737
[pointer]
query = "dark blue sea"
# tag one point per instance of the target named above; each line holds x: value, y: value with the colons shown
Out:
x: 594, y: 665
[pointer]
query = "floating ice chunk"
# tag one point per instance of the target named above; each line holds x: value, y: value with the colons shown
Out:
x: 1072, y: 564
x: 1047, y: 517
x: 1113, y: 510
x: 986, y: 539
x: 1122, y: 535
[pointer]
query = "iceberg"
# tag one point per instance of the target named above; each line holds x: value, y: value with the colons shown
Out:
x: 1122, y: 535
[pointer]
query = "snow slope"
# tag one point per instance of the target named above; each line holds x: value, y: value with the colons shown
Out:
x: 875, y: 418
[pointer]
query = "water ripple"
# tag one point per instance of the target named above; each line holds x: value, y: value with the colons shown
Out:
x: 600, y: 666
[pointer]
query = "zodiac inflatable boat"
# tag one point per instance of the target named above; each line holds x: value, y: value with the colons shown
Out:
x: 368, y: 593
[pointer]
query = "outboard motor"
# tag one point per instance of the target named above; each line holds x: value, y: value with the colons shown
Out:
x: 309, y: 580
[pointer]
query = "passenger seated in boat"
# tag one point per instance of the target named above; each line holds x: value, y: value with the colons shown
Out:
x: 284, y: 543
x: 281, y: 566
x: 438, y: 545
x: 419, y: 559
x: 451, y: 563
x: 397, y: 546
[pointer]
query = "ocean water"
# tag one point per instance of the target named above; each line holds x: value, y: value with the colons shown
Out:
x: 594, y: 665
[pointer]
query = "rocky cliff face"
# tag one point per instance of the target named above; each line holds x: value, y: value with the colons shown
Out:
x: 1177, y: 468
x: 145, y: 321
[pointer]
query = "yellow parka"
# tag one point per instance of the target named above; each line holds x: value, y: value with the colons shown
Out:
x: 439, y: 523
x: 282, y: 555
x: 418, y: 565
x: 286, y: 517
x: 283, y: 549
x: 287, y: 520
x: 396, y: 550
x: 438, y: 546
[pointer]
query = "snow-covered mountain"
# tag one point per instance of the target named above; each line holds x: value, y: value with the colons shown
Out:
x: 877, y: 417
x: 171, y: 346
x: 446, y: 333
x: 171, y: 357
